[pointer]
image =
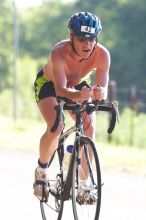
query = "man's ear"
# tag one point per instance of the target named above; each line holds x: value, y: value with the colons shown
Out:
x: 71, y: 37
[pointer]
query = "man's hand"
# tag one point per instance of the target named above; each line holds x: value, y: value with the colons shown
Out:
x: 98, y: 93
x: 85, y: 94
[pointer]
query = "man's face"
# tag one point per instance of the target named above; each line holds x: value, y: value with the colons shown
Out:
x: 83, y: 46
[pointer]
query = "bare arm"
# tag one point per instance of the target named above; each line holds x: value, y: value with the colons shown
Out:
x: 102, y: 74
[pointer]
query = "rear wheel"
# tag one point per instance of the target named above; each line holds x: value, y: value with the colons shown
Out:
x: 86, y: 167
x: 53, y: 208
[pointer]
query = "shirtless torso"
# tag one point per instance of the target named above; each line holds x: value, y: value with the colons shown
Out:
x: 66, y: 68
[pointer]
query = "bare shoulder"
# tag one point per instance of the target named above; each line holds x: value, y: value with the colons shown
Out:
x: 57, y: 57
x: 102, y: 51
x: 60, y: 49
x: 102, y: 56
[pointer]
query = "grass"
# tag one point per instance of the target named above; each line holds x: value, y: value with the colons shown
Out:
x: 122, y: 158
x: 25, y: 135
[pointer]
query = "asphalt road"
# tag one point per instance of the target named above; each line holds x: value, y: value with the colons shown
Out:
x: 123, y: 198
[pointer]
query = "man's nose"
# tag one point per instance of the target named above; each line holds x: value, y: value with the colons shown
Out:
x: 87, y: 41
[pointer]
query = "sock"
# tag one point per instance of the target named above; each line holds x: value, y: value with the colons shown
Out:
x: 42, y: 165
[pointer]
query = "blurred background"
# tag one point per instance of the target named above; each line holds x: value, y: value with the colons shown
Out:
x: 28, y: 31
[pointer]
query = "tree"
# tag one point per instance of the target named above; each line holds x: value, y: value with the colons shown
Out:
x: 5, y: 41
x: 129, y: 51
x: 123, y: 34
x: 40, y: 30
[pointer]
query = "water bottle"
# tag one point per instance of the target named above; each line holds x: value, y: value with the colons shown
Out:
x: 66, y: 159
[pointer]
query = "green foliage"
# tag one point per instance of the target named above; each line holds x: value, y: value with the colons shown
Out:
x: 5, y: 42
x: 129, y: 52
x: 26, y: 106
x: 27, y: 70
x: 41, y: 30
x: 131, y: 130
x: 6, y: 98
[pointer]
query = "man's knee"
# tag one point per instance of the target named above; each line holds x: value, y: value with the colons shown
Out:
x: 89, y: 129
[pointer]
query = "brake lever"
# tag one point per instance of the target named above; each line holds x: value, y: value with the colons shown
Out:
x: 115, y: 106
x: 59, y: 114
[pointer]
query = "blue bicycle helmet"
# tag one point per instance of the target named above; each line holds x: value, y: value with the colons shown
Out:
x: 84, y: 24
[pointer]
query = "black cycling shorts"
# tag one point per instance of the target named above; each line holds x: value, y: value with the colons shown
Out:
x: 45, y: 88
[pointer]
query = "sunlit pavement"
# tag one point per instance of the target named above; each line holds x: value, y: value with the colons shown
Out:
x: 123, y: 197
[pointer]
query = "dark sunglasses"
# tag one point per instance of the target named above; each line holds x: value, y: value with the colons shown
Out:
x: 83, y: 39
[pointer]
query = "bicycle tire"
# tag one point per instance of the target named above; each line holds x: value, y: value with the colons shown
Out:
x: 53, y: 208
x: 86, y: 211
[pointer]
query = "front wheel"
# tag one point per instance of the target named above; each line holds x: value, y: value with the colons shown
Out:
x: 87, y: 175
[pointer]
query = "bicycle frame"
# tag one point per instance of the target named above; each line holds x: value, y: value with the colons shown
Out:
x: 78, y: 129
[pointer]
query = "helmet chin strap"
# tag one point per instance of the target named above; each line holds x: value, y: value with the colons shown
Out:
x: 72, y: 43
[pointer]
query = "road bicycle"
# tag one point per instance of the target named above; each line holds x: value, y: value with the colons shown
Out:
x: 84, y: 162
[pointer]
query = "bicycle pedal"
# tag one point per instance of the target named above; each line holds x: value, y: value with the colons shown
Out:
x: 59, y: 175
x: 79, y: 201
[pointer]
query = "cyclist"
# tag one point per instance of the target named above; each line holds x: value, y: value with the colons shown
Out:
x: 70, y: 62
